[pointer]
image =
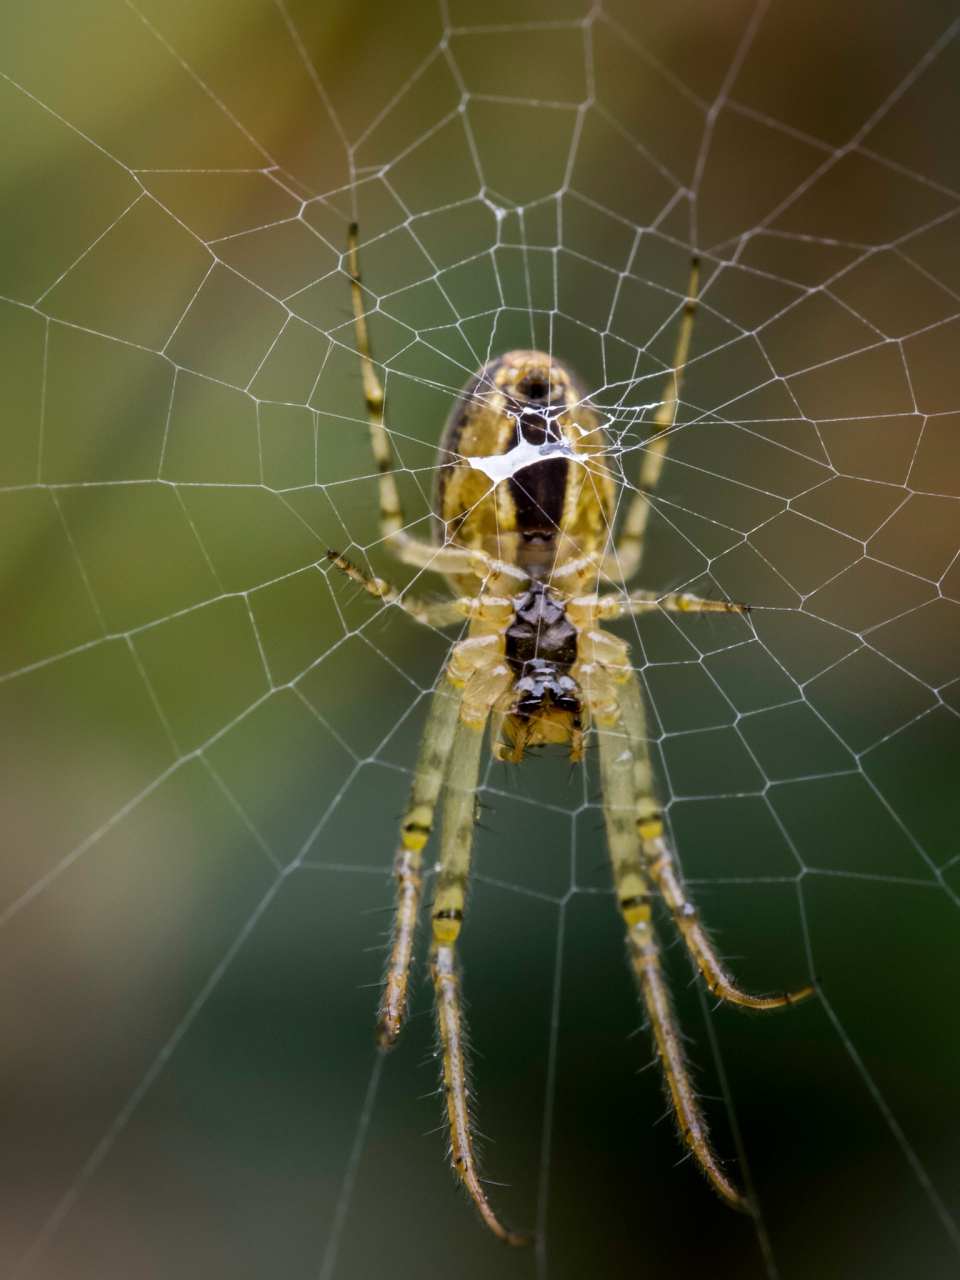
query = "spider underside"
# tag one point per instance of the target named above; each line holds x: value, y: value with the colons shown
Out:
x: 524, y: 557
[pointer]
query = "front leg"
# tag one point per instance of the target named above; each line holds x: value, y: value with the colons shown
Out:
x: 409, y: 550
x: 439, y: 614
x: 584, y: 610
x: 625, y: 561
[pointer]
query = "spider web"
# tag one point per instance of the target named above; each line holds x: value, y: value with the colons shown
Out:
x: 208, y: 736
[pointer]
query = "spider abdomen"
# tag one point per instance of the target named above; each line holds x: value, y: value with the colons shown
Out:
x: 522, y: 473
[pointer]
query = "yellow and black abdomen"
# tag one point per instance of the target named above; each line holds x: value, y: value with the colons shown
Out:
x: 542, y: 493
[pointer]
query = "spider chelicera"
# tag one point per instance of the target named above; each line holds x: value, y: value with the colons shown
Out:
x: 523, y: 519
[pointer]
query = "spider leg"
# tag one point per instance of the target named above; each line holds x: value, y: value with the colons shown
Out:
x: 391, y: 512
x: 447, y: 917
x: 623, y: 604
x: 414, y: 833
x: 439, y: 614
x: 481, y: 660
x: 619, y: 771
x: 659, y: 864
x: 625, y: 562
x: 419, y: 552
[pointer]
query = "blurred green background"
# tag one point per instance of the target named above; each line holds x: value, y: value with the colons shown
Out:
x: 207, y: 739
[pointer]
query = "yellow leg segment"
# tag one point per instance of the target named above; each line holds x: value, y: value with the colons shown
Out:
x: 646, y: 965
x: 417, y: 824
x: 585, y: 610
x: 448, y: 907
x: 391, y: 515
x: 660, y: 862
x: 675, y: 602
x: 411, y: 550
x: 431, y: 613
x: 620, y: 769
x: 625, y: 563
x: 659, y: 865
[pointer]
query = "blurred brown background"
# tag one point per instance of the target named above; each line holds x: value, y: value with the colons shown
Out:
x: 207, y: 740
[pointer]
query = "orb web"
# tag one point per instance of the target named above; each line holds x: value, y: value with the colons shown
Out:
x: 209, y: 735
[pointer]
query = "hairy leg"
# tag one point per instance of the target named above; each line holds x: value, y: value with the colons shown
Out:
x: 391, y: 513
x: 447, y: 918
x: 622, y: 604
x: 659, y: 864
x: 439, y: 614
x: 625, y: 562
x: 408, y: 865
x: 619, y: 780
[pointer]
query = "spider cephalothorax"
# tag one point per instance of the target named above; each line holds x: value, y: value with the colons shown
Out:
x: 523, y: 520
x: 545, y: 703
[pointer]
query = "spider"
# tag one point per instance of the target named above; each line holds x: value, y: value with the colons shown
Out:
x: 523, y: 519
